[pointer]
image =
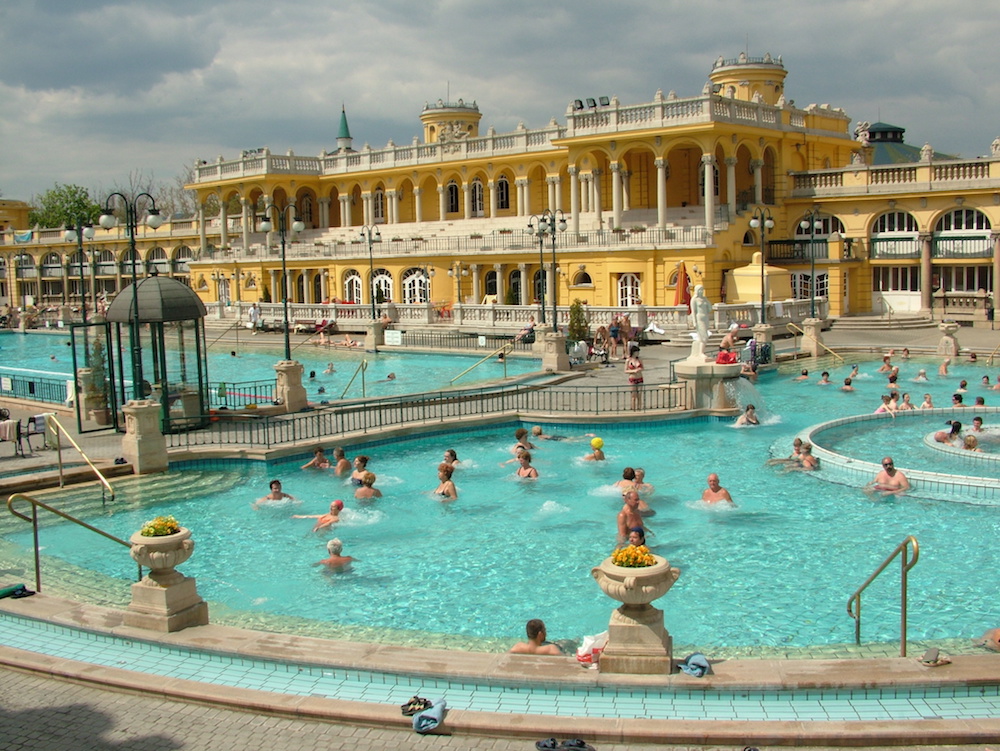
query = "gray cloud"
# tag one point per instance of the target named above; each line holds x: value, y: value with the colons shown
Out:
x: 94, y: 90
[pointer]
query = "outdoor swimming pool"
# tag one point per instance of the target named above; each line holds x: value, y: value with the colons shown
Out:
x: 414, y: 372
x: 775, y: 571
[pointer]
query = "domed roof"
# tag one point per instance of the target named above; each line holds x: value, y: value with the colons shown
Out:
x: 160, y: 299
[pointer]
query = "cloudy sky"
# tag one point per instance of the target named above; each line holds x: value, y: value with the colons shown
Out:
x: 92, y: 91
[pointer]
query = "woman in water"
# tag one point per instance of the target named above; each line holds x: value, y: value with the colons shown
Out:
x: 451, y: 458
x: 367, y: 489
x: 319, y: 460
x: 329, y: 369
x: 526, y: 470
x: 327, y: 520
x: 446, y: 489
x: 886, y: 406
x: 906, y: 404
x: 971, y: 443
x: 749, y: 417
x: 360, y: 468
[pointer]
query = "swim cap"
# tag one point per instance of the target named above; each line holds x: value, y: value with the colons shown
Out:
x: 339, y: 504
x: 596, y: 443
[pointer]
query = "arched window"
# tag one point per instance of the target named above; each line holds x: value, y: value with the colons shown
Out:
x: 477, y: 198
x: 181, y: 258
x: 305, y: 204
x: 582, y: 279
x: 157, y: 259
x: 629, y: 290
x: 131, y: 263
x: 538, y: 285
x: 352, y: 287
x: 963, y: 220
x: 452, y: 204
x: 378, y: 205
x: 895, y: 234
x: 962, y: 233
x: 490, y: 283
x: 514, y: 280
x: 105, y: 263
x: 827, y: 226
x: 51, y: 265
x: 416, y: 286
x: 382, y: 285
x: 503, y: 193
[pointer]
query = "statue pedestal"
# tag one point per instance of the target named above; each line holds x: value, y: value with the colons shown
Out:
x: 706, y: 383
x: 374, y: 335
x: 165, y: 600
x: 143, y: 444
x: 814, y: 336
x: 638, y: 642
x: 948, y: 346
x: 289, y: 389
x: 554, y: 357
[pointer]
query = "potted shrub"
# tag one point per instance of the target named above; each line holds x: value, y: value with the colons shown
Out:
x: 96, y: 386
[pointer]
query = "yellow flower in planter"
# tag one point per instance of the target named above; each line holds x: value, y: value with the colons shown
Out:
x: 161, y: 526
x: 633, y: 556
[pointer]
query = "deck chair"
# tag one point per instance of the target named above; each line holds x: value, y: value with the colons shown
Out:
x: 36, y: 427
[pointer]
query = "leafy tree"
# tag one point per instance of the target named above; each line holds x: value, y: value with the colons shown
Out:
x: 579, y: 329
x: 63, y: 205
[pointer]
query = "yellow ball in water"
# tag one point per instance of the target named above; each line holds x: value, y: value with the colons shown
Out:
x: 596, y: 443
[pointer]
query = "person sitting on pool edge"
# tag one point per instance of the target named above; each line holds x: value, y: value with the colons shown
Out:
x: 536, y: 643
x: 336, y: 562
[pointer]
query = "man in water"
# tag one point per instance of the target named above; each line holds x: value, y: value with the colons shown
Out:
x: 327, y: 520
x: 715, y: 492
x: 629, y: 516
x: 336, y: 562
x: 536, y: 644
x: 890, y: 481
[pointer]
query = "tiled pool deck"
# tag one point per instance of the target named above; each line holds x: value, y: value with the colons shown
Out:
x: 786, y: 702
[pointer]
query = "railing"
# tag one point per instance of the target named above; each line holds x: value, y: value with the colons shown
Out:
x: 361, y: 370
x: 37, y: 388
x: 53, y: 426
x: 365, y: 416
x: 33, y: 520
x: 993, y: 355
x: 908, y: 562
x: 882, y: 248
x: 798, y: 250
x: 240, y: 394
x: 796, y: 330
x: 506, y: 349
x: 972, y: 246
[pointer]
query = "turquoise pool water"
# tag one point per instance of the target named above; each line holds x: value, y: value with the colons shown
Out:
x: 414, y: 372
x: 776, y: 570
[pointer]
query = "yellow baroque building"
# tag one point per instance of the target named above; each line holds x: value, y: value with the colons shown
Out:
x: 629, y: 193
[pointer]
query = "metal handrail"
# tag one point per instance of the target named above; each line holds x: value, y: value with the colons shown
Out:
x: 506, y: 348
x: 362, y: 368
x: 908, y: 563
x: 892, y: 310
x: 793, y: 328
x: 993, y: 354
x: 51, y: 421
x: 33, y: 519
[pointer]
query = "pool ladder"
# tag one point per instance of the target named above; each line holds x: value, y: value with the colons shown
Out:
x: 909, y: 552
x: 801, y: 332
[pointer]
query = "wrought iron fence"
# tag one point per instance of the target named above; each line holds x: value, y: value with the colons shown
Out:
x: 36, y: 388
x: 371, y: 416
x: 235, y: 395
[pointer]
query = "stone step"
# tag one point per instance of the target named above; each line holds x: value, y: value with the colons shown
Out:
x: 870, y: 323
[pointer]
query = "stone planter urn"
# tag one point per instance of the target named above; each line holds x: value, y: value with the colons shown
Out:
x: 162, y: 554
x: 165, y: 599
x: 637, y: 639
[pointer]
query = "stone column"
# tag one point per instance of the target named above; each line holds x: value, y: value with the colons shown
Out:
x: 289, y: 389
x: 662, y: 169
x: 202, y: 236
x: 616, y: 194
x: 731, y: 162
x: 708, y: 194
x: 574, y: 200
x: 758, y: 180
x: 143, y: 444
x: 926, y: 274
x: 596, y: 178
x: 247, y: 222
x: 223, y: 224
x: 442, y: 206
x: 467, y: 201
x: 418, y: 207
x: 814, y: 336
x: 491, y: 189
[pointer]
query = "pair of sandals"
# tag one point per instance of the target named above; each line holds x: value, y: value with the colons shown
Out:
x: 573, y: 744
x: 415, y: 705
x: 932, y: 658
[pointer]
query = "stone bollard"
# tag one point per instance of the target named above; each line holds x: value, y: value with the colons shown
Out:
x: 554, y: 357
x: 948, y: 346
x: 813, y: 336
x: 143, y: 444
x: 289, y: 389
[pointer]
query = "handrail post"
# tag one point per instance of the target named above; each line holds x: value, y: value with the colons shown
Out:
x: 907, y: 564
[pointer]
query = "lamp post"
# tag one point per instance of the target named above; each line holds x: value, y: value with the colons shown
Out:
x: 812, y: 223
x: 458, y: 272
x: 73, y: 234
x: 153, y: 219
x: 548, y: 223
x: 370, y: 234
x: 763, y: 221
x: 297, y: 226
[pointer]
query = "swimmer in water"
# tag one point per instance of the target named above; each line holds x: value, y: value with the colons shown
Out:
x: 360, y: 468
x: 921, y: 376
x: 526, y: 470
x: 927, y: 403
x: 824, y: 379
x: 854, y: 372
x: 597, y: 455
x: 643, y: 487
x: 275, y: 496
x: 715, y: 493
x: 446, y: 489
x: 943, y: 369
x: 341, y: 466
x: 521, y: 434
x: 890, y: 481
x: 368, y: 489
x: 327, y: 520
x: 803, y: 376
x: 806, y: 462
x: 329, y: 369
x: 848, y: 385
x: 749, y: 417
x: 319, y: 460
x: 950, y: 436
x: 451, y: 458
x: 336, y: 562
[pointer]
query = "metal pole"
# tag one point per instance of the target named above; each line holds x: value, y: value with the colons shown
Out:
x: 763, y: 305
x: 284, y: 282
x: 555, y: 278
x: 541, y: 272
